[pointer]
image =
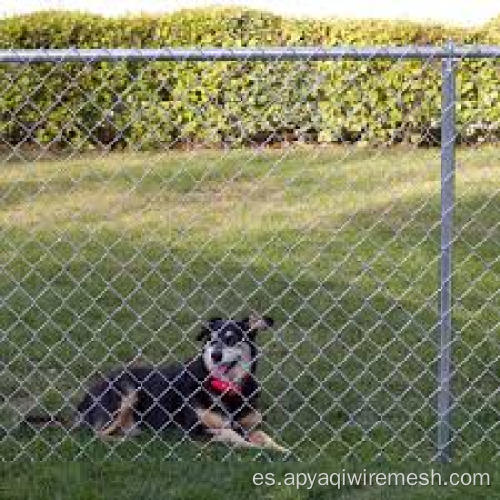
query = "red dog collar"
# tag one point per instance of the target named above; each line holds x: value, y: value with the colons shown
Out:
x: 225, y: 387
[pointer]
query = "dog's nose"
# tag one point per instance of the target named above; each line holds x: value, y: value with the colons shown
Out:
x: 216, y: 356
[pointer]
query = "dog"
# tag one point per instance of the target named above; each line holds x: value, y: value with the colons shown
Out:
x: 213, y: 394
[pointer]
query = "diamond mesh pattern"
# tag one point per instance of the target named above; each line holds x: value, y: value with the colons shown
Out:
x: 117, y: 241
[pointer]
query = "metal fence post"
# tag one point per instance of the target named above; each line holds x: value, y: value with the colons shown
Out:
x: 447, y: 204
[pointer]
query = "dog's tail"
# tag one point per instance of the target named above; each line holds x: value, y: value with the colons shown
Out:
x: 47, y: 420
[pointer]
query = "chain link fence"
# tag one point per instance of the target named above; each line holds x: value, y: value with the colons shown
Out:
x: 135, y: 208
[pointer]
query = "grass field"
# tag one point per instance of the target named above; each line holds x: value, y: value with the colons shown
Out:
x: 183, y: 480
x: 109, y: 259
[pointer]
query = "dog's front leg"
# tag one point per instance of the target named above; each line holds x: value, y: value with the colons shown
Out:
x: 232, y: 437
x: 221, y: 430
x: 212, y: 420
x: 251, y: 420
x: 259, y: 438
x: 256, y: 439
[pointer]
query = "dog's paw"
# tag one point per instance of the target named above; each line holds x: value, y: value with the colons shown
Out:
x: 261, y: 439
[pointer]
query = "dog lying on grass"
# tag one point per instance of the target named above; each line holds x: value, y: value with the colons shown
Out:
x: 213, y: 394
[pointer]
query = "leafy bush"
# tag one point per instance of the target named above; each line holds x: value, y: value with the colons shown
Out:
x: 147, y: 105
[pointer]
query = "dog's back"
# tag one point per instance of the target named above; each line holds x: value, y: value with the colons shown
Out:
x: 163, y: 395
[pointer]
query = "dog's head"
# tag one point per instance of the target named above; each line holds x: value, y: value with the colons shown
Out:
x: 230, y: 343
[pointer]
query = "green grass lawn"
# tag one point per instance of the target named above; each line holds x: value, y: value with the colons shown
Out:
x: 115, y: 258
x: 187, y: 480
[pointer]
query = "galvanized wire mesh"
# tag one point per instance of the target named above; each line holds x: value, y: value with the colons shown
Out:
x: 139, y: 216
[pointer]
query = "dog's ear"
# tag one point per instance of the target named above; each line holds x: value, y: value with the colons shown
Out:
x: 204, y: 334
x: 213, y: 324
x: 256, y: 323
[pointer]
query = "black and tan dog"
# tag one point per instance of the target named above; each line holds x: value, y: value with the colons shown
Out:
x: 214, y: 393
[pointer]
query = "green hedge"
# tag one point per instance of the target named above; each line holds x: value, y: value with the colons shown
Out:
x: 148, y: 105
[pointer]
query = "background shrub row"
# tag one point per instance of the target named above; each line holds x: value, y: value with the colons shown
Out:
x: 154, y: 104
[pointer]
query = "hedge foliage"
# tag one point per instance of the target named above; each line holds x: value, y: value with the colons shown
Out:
x: 149, y: 105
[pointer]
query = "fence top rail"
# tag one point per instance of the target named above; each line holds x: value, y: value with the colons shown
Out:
x: 248, y: 54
